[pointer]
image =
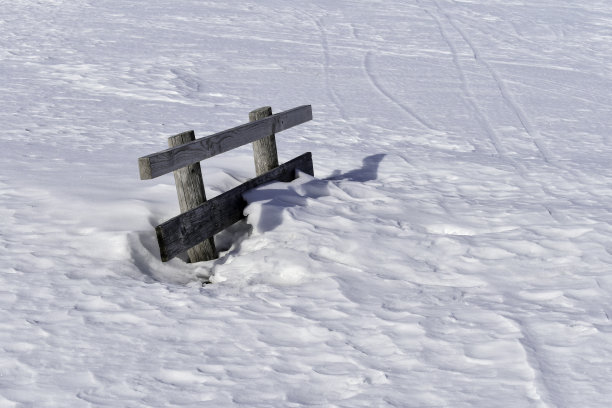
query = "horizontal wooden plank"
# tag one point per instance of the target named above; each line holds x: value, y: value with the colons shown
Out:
x: 184, y: 231
x: 160, y: 163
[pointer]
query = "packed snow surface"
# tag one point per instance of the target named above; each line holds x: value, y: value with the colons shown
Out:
x: 454, y: 248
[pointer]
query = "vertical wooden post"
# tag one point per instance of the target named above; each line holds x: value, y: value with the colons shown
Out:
x: 264, y: 149
x: 190, y: 191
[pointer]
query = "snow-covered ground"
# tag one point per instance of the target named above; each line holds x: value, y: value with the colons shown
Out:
x: 453, y: 250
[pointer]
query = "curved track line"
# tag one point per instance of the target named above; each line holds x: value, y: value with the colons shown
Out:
x: 326, y: 68
x: 469, y: 96
x: 506, y: 95
x: 533, y: 133
x: 367, y: 68
x: 534, y: 360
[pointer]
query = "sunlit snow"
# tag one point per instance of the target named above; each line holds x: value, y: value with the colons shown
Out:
x: 454, y: 248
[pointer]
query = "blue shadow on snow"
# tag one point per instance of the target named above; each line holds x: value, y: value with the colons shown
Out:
x: 281, y: 199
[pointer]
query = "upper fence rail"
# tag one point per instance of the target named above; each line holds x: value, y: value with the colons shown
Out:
x: 160, y: 163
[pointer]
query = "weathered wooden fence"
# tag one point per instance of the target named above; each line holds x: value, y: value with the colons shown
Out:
x: 194, y: 229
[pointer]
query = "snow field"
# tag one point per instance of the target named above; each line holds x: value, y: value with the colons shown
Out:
x: 452, y: 250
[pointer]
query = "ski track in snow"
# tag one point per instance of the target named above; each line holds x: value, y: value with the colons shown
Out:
x: 326, y: 67
x: 469, y: 97
x: 502, y: 88
x: 452, y: 250
x: 369, y: 72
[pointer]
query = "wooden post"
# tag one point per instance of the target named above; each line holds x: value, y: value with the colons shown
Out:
x: 190, y: 191
x: 264, y: 149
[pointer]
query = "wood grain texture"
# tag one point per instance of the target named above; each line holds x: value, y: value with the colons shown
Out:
x: 190, y: 192
x: 157, y: 164
x: 144, y: 167
x: 264, y: 149
x: 183, y: 231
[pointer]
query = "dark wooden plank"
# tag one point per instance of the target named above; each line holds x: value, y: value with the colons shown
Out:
x: 178, y: 234
x: 157, y: 164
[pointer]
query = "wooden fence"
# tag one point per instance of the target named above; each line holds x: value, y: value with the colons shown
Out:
x: 194, y: 229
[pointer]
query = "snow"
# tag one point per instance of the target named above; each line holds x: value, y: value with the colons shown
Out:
x: 452, y: 250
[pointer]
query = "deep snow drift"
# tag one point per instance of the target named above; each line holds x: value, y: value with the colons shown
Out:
x: 453, y: 249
